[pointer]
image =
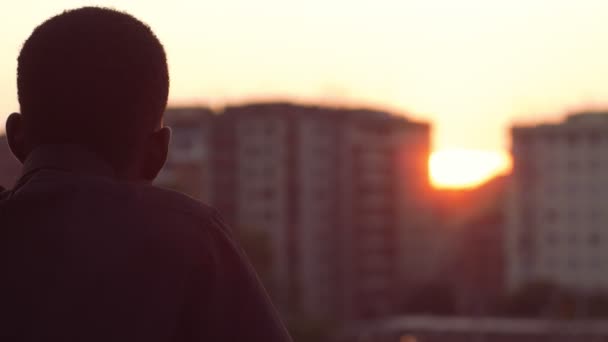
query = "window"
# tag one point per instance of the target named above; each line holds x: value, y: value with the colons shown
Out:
x: 595, y: 214
x: 594, y: 239
x: 267, y: 194
x: 269, y: 128
x: 269, y: 172
x: 552, y: 238
x: 573, y: 263
x: 594, y: 164
x: 183, y: 144
x: 269, y: 216
x: 573, y: 166
x: 573, y: 239
x: 594, y: 138
x: 252, y: 151
x: 551, y: 215
x: 573, y: 139
x: 572, y: 214
x: 526, y: 242
x: 550, y: 138
x: 320, y: 150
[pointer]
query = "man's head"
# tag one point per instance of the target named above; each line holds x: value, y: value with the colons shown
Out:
x: 97, y: 78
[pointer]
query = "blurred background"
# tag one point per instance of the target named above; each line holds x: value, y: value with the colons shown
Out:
x: 414, y: 170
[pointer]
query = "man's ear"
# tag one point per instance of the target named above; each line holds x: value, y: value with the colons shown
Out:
x: 16, y: 135
x: 156, y: 152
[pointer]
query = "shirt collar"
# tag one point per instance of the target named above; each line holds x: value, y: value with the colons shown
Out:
x: 69, y: 158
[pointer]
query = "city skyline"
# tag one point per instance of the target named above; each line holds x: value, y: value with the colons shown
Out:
x: 472, y: 68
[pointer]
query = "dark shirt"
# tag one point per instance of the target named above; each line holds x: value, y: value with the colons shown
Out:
x: 85, y: 257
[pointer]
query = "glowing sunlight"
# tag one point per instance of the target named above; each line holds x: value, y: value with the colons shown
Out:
x: 464, y: 168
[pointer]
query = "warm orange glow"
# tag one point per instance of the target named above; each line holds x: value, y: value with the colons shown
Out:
x: 463, y: 168
x: 466, y: 66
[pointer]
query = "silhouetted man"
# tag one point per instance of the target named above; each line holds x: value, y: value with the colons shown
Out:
x: 89, y: 250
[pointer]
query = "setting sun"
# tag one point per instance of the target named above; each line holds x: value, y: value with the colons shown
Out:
x: 463, y: 168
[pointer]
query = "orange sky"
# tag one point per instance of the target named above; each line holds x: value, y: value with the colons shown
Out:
x: 471, y: 66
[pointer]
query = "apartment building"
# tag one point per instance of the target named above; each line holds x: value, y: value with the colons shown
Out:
x: 252, y: 160
x: 336, y: 191
x: 384, y: 189
x: 557, y: 222
x: 187, y: 168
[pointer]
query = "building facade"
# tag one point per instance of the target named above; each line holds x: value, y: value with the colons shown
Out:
x: 187, y: 168
x: 383, y: 197
x: 557, y: 222
x: 336, y: 192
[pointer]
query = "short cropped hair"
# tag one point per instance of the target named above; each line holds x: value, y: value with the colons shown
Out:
x: 95, y: 77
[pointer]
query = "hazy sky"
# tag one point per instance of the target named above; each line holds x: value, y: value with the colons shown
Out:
x: 471, y: 66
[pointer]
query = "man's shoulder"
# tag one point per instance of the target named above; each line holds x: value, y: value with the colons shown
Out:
x: 3, y: 192
x: 124, y: 202
x: 159, y: 198
x: 181, y: 218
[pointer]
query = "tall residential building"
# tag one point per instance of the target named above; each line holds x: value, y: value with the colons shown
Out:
x: 253, y: 167
x: 557, y: 222
x: 337, y: 192
x: 187, y: 167
x: 383, y: 189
